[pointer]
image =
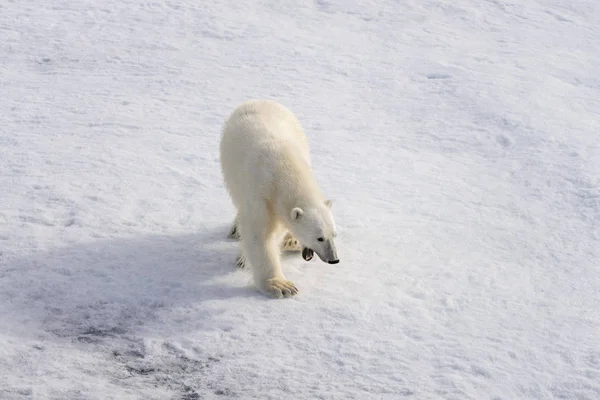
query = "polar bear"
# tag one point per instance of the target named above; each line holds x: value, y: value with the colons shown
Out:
x: 266, y: 168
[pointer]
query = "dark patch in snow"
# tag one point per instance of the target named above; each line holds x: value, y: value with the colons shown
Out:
x: 190, y: 394
x: 69, y: 222
x: 140, y: 371
x: 170, y: 368
x: 223, y: 392
x: 504, y: 140
x: 25, y: 393
x: 94, y: 335
x: 104, y: 332
x: 438, y: 76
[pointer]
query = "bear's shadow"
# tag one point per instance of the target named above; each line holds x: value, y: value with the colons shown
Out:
x: 109, y: 286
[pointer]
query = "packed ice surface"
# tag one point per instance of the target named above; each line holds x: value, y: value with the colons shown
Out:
x: 459, y: 140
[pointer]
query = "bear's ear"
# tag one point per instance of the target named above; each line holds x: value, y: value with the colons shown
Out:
x: 329, y: 203
x: 296, y: 213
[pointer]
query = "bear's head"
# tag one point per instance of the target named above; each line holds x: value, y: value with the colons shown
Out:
x: 315, y: 229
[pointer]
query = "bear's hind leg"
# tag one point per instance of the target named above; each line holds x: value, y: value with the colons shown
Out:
x: 234, y: 232
x: 261, y: 247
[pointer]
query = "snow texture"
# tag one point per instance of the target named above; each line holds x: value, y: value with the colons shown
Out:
x: 459, y: 140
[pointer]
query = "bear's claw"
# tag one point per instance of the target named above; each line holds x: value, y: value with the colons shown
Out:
x: 234, y: 232
x: 290, y: 243
x: 277, y: 287
x: 240, y: 262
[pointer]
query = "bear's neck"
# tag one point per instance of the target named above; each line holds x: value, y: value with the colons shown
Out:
x: 300, y: 189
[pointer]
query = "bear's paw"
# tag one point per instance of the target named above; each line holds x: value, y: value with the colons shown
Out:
x: 279, y: 287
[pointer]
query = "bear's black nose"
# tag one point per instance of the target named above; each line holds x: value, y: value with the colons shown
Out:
x: 333, y: 261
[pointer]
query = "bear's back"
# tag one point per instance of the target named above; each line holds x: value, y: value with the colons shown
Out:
x: 264, y: 128
x: 262, y: 142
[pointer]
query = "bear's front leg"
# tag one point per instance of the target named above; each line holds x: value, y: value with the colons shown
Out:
x: 262, y: 251
x: 263, y: 257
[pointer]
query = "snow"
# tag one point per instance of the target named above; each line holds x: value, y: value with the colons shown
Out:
x: 459, y: 141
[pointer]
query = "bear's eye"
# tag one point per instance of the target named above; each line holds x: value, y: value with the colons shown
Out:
x: 320, y: 239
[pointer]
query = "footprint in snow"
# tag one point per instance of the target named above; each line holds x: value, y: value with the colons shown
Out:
x: 504, y: 140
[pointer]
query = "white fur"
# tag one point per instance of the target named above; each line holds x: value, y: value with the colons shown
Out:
x: 266, y: 168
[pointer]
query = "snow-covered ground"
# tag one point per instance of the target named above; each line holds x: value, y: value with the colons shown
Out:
x: 459, y: 139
